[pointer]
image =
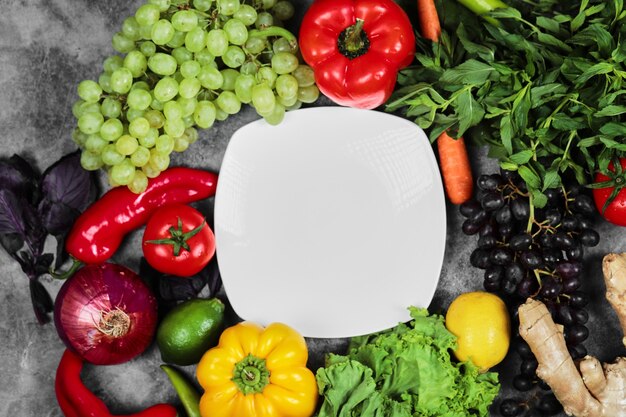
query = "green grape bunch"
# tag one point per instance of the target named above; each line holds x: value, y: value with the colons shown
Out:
x: 184, y: 64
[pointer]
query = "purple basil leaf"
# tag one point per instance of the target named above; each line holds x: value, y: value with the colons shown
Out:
x: 68, y: 183
x: 35, y: 232
x: 42, y: 265
x: 174, y: 288
x: 211, y: 277
x: 19, y: 177
x: 11, y: 242
x: 11, y: 216
x: 42, y: 302
x: 61, y: 256
x: 57, y: 217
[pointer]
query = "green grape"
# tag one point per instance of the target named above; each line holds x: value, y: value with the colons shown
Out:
x: 284, y: 62
x: 202, y: 5
x: 268, y: 4
x: 283, y: 45
x: 90, y: 122
x: 104, y: 81
x: 204, y: 115
x: 287, y: 102
x: 283, y: 10
x: 305, y: 75
x: 166, y: 89
x: 236, y: 31
x: 243, y: 87
x: 112, y: 63
x: 266, y: 75
x: 163, y: 5
x: 264, y: 20
x: 182, y: 54
x: 158, y: 160
x: 126, y: 145
x: 111, y: 129
x: 249, y: 68
x: 234, y: 56
x: 174, y: 127
x: 122, y: 44
x: 220, y: 114
x: 188, y: 121
x: 191, y: 134
x: 228, y: 101
x: 150, y: 171
x: 77, y: 108
x: 308, y: 94
x: 181, y: 144
x: 255, y: 45
x: 147, y: 48
x: 90, y: 91
x: 139, y: 184
x: 139, y: 127
x: 111, y: 108
x: 146, y: 32
x: 228, y: 7
x: 79, y: 137
x: 190, y: 69
x: 95, y: 143
x: 90, y: 108
x: 204, y: 57
x: 287, y: 86
x: 177, y: 40
x: 162, y: 32
x: 263, y: 98
x: 149, y: 140
x: 121, y: 80
x: 189, y: 87
x: 246, y: 14
x: 184, y: 20
x: 140, y: 85
x: 140, y: 157
x: 147, y: 14
x: 162, y: 64
x: 139, y: 99
x: 136, y: 62
x: 132, y: 114
x: 172, y: 110
x: 90, y: 161
x: 130, y: 29
x: 195, y: 40
x: 164, y: 144
x: 156, y: 104
x: 217, y: 42
x: 210, y: 77
x: 275, y: 116
x: 123, y: 173
x: 187, y: 105
x: 110, y: 156
x: 155, y: 118
x: 230, y: 76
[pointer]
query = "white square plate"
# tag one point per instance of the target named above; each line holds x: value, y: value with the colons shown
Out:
x: 332, y: 222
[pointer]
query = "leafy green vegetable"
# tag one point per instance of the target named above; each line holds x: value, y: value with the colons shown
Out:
x: 545, y: 87
x: 403, y: 372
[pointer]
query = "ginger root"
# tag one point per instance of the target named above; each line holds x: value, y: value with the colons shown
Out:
x: 589, y: 389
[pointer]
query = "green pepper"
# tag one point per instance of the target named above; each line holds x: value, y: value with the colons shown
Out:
x: 189, y: 397
x: 482, y: 7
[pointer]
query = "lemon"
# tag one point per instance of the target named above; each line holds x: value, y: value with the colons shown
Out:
x: 481, y: 323
x: 190, y: 329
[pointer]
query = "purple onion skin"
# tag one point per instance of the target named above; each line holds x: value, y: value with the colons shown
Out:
x: 90, y: 293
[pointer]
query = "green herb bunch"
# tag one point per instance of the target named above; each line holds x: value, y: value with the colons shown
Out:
x: 543, y: 84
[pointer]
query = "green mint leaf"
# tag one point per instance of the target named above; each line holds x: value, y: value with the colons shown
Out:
x: 597, y: 69
x: 469, y: 111
x: 578, y: 21
x: 508, y: 166
x: 506, y: 13
x: 482, y: 51
x: 552, y: 40
x: 506, y: 133
x: 539, y: 199
x: 521, y: 107
x: 552, y: 179
x: 610, y: 111
x: 548, y: 24
x: 521, y: 157
x: 564, y: 122
x: 529, y: 176
x: 613, y: 129
x: 469, y: 72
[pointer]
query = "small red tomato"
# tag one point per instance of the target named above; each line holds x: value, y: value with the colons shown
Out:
x: 178, y: 241
x: 609, y: 195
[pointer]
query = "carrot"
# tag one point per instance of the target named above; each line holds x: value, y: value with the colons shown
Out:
x: 453, y: 160
x: 455, y: 168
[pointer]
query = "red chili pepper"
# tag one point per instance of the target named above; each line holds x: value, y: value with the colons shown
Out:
x: 356, y: 48
x: 76, y: 400
x: 98, y: 232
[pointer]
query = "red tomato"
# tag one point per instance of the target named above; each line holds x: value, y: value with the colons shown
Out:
x: 615, y: 211
x: 178, y: 241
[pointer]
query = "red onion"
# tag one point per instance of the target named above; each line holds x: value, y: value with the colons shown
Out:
x: 106, y: 314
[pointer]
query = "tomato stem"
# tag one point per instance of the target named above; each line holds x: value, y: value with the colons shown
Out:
x: 178, y: 238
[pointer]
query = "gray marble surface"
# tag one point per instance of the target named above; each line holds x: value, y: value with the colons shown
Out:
x: 46, y: 48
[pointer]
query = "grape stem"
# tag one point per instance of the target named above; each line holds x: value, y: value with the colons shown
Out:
x: 274, y: 31
x: 531, y: 216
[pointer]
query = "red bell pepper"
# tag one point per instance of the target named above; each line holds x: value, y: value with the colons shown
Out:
x: 356, y: 48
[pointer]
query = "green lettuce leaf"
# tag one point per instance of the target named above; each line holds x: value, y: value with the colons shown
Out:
x: 405, y: 371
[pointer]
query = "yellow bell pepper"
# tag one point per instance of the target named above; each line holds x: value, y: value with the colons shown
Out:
x: 257, y: 372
